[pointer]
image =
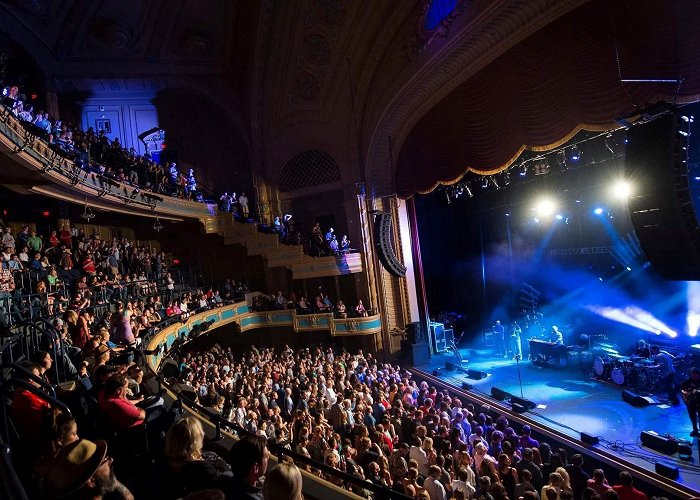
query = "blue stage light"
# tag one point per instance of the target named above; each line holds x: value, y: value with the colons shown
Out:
x: 598, y: 211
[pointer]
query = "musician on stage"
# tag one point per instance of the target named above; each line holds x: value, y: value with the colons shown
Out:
x: 556, y: 336
x: 664, y: 362
x: 499, y: 332
x: 690, y: 389
x: 642, y: 350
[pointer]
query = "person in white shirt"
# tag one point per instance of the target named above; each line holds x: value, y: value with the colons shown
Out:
x: 243, y: 204
x: 464, y: 482
x: 433, y: 485
x: 418, y: 454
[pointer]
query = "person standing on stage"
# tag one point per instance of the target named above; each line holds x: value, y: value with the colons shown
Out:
x: 664, y: 362
x: 499, y: 332
x: 516, y: 346
x: 555, y: 336
x: 642, y: 350
x: 690, y: 389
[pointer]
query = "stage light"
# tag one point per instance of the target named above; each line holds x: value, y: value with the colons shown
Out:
x: 693, y: 321
x: 622, y: 190
x: 468, y: 190
x: 560, y: 216
x: 598, y: 211
x: 523, y: 170
x: 629, y: 268
x: 575, y: 153
x: 537, y: 221
x: 545, y: 207
x: 484, y: 182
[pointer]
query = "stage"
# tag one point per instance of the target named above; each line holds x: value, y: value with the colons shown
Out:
x: 574, y: 401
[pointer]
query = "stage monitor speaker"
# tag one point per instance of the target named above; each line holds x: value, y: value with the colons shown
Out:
x: 667, y: 470
x: 525, y: 402
x: 659, y: 443
x: 169, y: 369
x: 589, y: 439
x: 437, y: 372
x: 661, y: 206
x: 634, y: 399
x: 383, y: 245
x: 476, y: 374
x: 450, y: 366
x: 685, y: 452
x: 518, y: 408
x: 466, y: 386
x: 499, y: 394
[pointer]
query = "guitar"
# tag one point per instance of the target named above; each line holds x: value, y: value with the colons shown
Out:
x: 690, y: 396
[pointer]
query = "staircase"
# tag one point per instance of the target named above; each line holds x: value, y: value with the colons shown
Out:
x: 280, y: 255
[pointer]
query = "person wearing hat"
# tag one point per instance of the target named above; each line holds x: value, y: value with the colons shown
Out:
x: 690, y: 390
x: 83, y: 469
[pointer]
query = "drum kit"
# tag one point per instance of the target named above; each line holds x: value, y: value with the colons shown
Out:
x: 629, y: 371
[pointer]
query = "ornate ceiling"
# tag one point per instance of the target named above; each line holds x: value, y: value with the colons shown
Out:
x: 360, y: 81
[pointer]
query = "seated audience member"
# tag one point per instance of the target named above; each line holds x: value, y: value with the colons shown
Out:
x: 63, y: 431
x: 82, y: 469
x: 113, y: 401
x: 28, y: 410
x: 283, y: 483
x: 192, y: 468
x: 598, y: 482
x: 360, y: 309
x: 341, y: 310
x: 626, y: 490
x: 248, y: 458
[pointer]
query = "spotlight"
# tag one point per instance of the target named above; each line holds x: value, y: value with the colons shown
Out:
x: 541, y: 167
x: 135, y: 192
x: 561, y: 161
x: 560, y: 216
x: 545, y: 207
x: 598, y: 211
x: 448, y: 197
x: 523, y: 170
x: 484, y: 182
x: 468, y: 190
x: 622, y: 190
x: 494, y: 182
x: 506, y: 178
x: 575, y: 153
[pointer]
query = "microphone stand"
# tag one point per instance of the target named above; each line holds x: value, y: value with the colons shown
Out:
x: 520, y: 380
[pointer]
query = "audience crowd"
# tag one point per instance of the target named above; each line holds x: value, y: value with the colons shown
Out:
x: 374, y: 421
x: 321, y: 304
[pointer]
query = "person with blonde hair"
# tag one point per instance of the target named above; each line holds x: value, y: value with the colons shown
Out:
x: 283, y: 483
x: 192, y: 468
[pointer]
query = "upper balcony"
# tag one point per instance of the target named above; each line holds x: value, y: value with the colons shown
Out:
x: 38, y: 168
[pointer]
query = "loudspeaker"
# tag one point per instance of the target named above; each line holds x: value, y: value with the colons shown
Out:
x: 169, y: 368
x: 383, y: 245
x: 589, y: 440
x: 518, y: 408
x: 634, y: 399
x: 415, y: 332
x: 476, y: 374
x: 661, y: 207
x: 525, y: 402
x: 437, y: 372
x: 685, y: 452
x: 659, y: 443
x: 466, y: 386
x: 667, y: 469
x: 499, y: 394
x: 450, y: 366
x: 415, y: 354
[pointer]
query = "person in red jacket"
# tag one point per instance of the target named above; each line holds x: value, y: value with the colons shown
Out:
x: 626, y: 490
x: 27, y: 409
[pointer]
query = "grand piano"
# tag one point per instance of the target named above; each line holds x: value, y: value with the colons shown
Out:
x: 543, y: 352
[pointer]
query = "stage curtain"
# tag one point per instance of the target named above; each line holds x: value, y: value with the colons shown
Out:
x: 560, y: 80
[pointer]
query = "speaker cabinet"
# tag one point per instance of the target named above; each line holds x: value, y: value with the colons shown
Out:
x: 589, y: 439
x: 384, y: 247
x: 634, y: 399
x: 661, y: 206
x: 499, y: 394
x: 659, y: 443
x: 667, y: 470
x: 169, y: 369
x: 525, y: 402
x: 476, y: 374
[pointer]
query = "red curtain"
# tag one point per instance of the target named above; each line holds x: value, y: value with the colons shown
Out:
x: 561, y: 79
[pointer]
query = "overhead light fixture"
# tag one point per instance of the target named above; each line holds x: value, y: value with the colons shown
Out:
x: 541, y: 166
x: 622, y: 190
x: 523, y: 170
x: 87, y: 214
x: 575, y: 153
x: 561, y: 161
x: 468, y: 190
x: 484, y: 182
x: 505, y: 177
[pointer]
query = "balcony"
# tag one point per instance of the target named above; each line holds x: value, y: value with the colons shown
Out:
x: 248, y: 320
x: 41, y: 170
x: 280, y: 255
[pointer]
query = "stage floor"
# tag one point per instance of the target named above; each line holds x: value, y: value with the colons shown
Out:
x: 573, y: 402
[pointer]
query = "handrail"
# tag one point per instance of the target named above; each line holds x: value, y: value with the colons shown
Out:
x: 31, y: 376
x: 12, y: 485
